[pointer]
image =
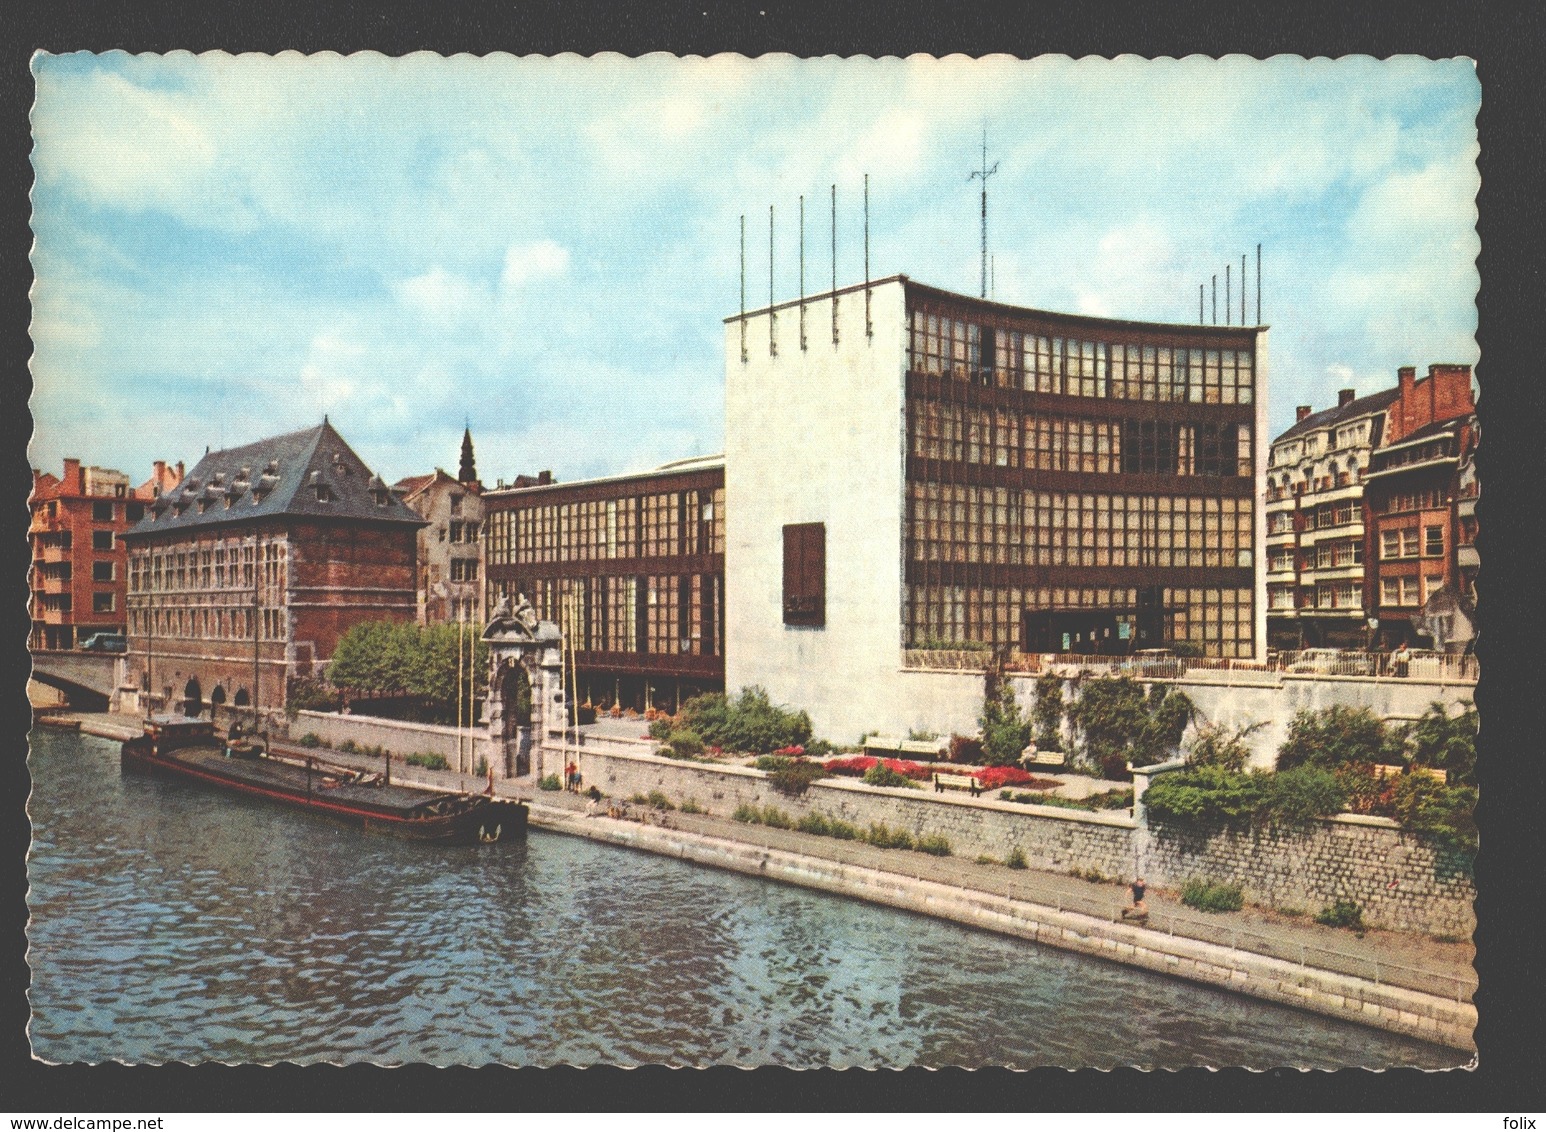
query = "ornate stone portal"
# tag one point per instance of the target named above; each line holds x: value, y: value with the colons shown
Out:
x: 523, y: 648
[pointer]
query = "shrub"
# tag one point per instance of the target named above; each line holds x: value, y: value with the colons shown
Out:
x: 348, y: 746
x: 795, y: 776
x: 1047, y: 715
x: 751, y: 815
x: 1119, y: 724
x: 430, y: 761
x: 818, y: 749
x: 1341, y: 913
x: 1337, y: 736
x: 660, y: 729
x: 309, y: 695
x: 984, y: 859
x: 684, y: 744
x: 750, y: 722
x: 1210, y: 896
x: 659, y: 801
x: 882, y: 775
x: 776, y: 818
x: 549, y: 782
x: 814, y: 823
x: 843, y: 831
x: 1106, y: 800
x: 1005, y: 732
x: 1016, y: 858
x: 1211, y: 797
x: 690, y: 806
x: 883, y: 837
x: 1443, y: 742
x: 1441, y: 814
x: 934, y: 845
x: 966, y: 749
x: 1217, y: 745
x: 311, y: 739
x: 921, y: 735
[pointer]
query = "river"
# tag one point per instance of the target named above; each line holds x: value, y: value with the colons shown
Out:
x: 172, y: 923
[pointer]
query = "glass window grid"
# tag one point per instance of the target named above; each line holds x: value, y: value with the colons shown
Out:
x: 948, y: 347
x: 965, y: 523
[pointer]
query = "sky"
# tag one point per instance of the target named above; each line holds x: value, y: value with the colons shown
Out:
x: 544, y: 249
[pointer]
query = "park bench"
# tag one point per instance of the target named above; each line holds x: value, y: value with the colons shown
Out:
x: 930, y: 749
x: 1387, y: 770
x: 1033, y: 757
x: 943, y: 782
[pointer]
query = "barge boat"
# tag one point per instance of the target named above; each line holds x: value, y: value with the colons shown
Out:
x: 183, y: 747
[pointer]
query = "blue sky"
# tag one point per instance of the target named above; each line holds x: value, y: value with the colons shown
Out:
x: 229, y: 247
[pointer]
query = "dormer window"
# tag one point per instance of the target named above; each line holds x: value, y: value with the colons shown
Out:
x: 323, y: 492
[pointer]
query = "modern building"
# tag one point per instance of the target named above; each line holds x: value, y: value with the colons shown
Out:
x: 632, y: 568
x: 450, y: 583
x: 246, y: 576
x: 78, y: 562
x: 910, y: 468
x: 1315, y: 524
x: 1420, y: 495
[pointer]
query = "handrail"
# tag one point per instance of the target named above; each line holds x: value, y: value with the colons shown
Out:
x: 1418, y: 666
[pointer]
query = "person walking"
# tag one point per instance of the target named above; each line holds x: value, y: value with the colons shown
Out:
x: 1138, y: 910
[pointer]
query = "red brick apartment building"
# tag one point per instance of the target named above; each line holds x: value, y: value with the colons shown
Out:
x: 631, y: 567
x: 78, y: 562
x: 246, y: 576
x: 1420, y: 499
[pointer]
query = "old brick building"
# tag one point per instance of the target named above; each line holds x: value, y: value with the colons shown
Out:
x: 450, y: 578
x: 246, y: 576
x: 1420, y: 498
x: 78, y: 563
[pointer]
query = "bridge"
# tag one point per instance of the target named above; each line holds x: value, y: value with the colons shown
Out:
x: 90, y: 680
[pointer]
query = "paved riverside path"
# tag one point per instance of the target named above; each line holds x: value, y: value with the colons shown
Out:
x: 1395, y: 958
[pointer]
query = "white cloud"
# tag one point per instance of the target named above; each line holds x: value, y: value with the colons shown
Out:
x: 526, y: 263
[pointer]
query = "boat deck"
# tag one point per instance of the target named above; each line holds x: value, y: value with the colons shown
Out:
x: 271, y: 774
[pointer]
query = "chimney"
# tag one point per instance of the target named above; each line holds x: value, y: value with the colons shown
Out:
x: 545, y: 476
x: 1344, y: 397
x: 179, y: 472
x: 72, y: 483
x: 1300, y: 413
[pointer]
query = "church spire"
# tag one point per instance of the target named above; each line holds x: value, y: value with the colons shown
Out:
x: 468, y: 472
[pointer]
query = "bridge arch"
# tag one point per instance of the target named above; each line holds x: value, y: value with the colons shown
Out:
x: 242, y: 698
x: 217, y: 695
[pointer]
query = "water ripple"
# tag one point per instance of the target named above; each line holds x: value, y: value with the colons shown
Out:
x: 172, y: 924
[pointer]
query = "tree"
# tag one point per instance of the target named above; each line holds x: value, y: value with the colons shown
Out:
x: 1444, y: 742
x: 402, y: 659
x: 1336, y: 737
x: 1047, y: 715
x: 1217, y: 745
x: 1005, y: 732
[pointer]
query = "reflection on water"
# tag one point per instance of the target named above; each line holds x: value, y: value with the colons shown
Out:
x: 170, y: 923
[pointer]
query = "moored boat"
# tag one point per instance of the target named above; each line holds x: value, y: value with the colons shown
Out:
x: 182, y: 747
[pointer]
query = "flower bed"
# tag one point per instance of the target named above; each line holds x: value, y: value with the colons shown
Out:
x: 856, y: 766
x: 996, y: 777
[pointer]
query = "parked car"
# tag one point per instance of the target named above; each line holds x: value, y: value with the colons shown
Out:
x: 1333, y: 662
x: 1155, y: 664
x: 105, y: 642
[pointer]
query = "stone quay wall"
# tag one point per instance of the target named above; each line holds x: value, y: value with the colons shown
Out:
x: 1052, y: 839
x: 394, y: 735
x: 1399, y: 882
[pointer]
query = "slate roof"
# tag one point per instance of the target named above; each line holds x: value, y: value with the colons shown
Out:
x: 1373, y: 403
x: 1435, y: 429
x: 276, y: 478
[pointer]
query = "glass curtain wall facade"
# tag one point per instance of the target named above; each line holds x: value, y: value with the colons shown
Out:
x: 631, y: 569
x: 1075, y: 484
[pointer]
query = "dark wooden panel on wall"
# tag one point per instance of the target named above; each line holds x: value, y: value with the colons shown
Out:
x: 805, y: 574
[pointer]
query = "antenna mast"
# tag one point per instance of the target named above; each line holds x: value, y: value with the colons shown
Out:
x: 984, y: 173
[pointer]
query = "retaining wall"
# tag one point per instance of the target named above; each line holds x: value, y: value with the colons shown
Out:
x: 396, y: 736
x: 1399, y: 882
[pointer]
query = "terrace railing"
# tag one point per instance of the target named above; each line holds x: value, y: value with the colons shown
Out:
x: 1429, y: 667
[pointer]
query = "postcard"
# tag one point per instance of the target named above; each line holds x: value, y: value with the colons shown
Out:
x: 723, y: 561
